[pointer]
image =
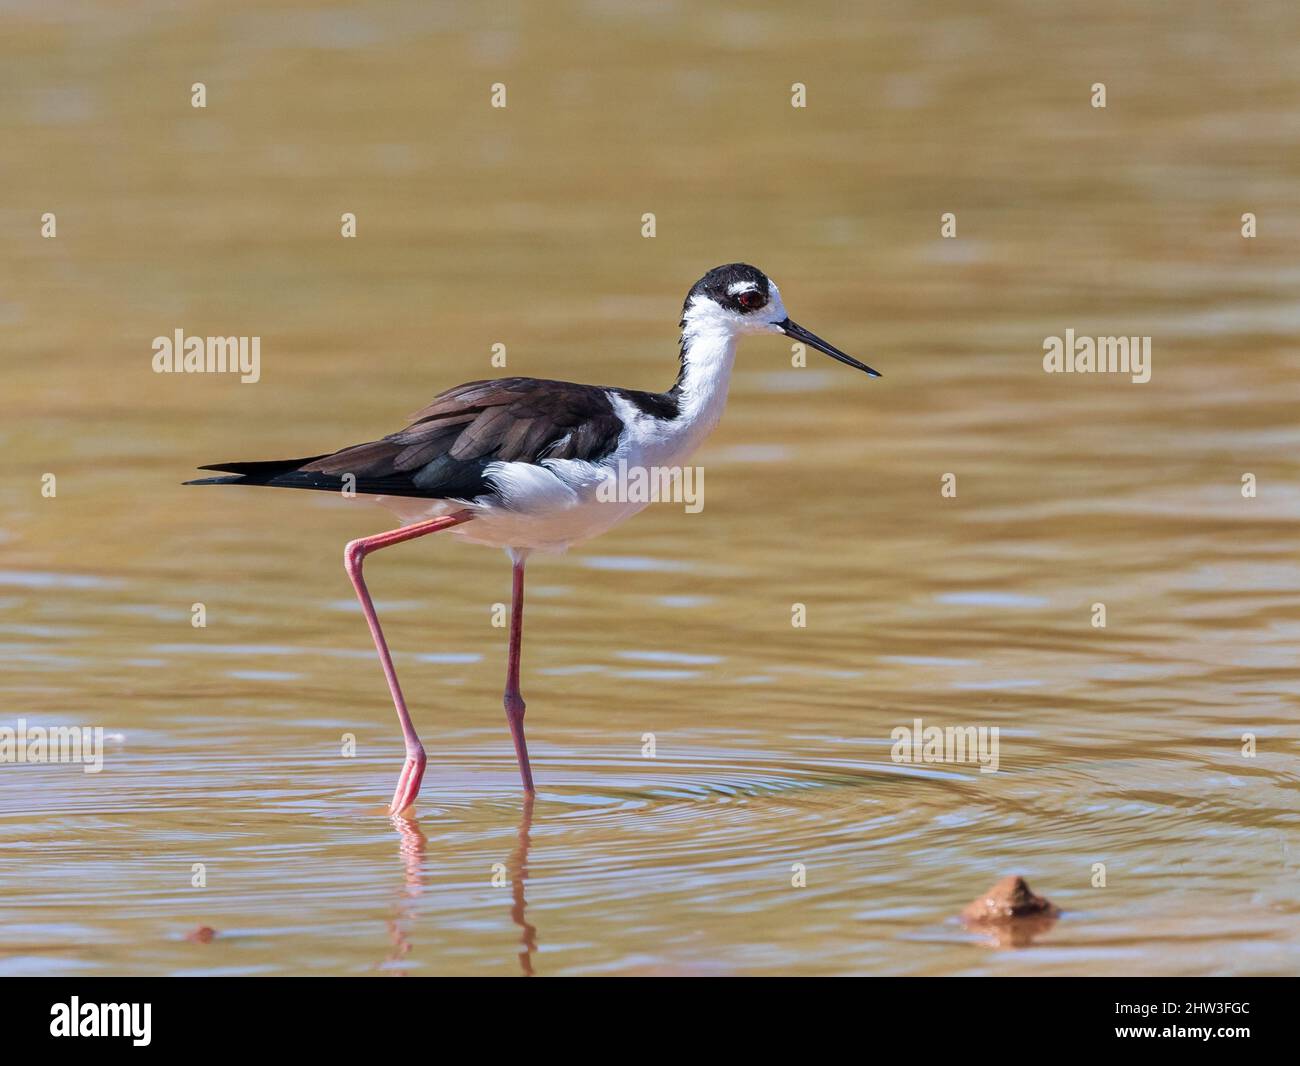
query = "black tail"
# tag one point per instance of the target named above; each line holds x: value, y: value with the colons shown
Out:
x: 252, y: 473
x: 288, y: 474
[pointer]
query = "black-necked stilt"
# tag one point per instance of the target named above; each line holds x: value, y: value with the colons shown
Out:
x: 517, y: 463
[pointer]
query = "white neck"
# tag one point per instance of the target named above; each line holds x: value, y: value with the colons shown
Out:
x: 708, y: 353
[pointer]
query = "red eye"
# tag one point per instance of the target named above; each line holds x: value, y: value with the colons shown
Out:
x: 751, y: 300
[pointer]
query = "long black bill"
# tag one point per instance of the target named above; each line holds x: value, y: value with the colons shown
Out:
x: 793, y: 329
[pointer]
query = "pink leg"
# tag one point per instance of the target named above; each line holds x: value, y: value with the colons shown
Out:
x: 515, y: 702
x: 408, y: 784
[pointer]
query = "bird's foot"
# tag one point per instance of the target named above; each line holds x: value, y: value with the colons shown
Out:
x: 408, y: 784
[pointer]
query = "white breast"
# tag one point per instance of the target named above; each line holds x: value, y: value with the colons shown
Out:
x: 549, y: 506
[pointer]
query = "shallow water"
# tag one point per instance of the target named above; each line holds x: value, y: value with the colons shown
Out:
x: 1120, y: 746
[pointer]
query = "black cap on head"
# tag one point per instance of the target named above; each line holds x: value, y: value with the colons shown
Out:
x: 718, y: 283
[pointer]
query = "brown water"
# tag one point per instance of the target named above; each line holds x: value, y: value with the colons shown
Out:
x: 1120, y: 746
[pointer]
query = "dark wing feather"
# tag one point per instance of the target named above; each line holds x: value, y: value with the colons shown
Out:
x: 445, y: 451
x: 484, y: 434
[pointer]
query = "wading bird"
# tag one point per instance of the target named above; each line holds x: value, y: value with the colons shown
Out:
x: 517, y: 463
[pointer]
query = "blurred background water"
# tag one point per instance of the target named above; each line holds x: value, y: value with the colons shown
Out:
x: 522, y: 226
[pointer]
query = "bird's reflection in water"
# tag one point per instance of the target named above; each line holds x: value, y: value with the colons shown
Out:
x: 517, y: 868
x: 411, y: 847
x: 412, y: 844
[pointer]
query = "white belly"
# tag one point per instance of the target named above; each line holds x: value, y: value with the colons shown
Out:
x: 537, y: 509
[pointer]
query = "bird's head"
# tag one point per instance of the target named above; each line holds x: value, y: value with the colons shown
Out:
x: 736, y: 299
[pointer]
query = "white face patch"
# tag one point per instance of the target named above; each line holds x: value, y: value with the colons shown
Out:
x: 737, y: 287
x: 774, y: 312
x: 704, y: 316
